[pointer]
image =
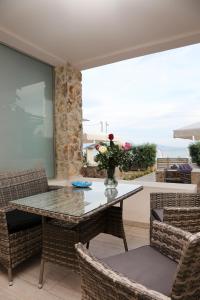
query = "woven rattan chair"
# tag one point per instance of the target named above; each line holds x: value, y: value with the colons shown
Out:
x: 168, y: 269
x: 20, y: 232
x: 176, y: 176
x: 178, y: 209
x: 185, y: 177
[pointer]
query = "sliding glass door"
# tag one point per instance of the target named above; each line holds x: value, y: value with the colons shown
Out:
x: 26, y: 112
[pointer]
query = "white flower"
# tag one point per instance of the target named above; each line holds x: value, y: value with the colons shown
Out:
x: 103, y: 149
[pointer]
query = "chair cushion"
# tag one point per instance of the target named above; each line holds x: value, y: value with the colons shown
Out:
x: 174, y: 167
x: 158, y: 214
x: 19, y: 220
x: 185, y: 168
x: 146, y: 266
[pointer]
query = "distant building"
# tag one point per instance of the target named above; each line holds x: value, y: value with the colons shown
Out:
x: 90, y: 154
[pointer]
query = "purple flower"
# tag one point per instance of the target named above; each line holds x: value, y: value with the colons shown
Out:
x: 127, y: 146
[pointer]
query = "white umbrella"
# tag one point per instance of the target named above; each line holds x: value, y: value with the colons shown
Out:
x: 97, y: 138
x: 191, y: 132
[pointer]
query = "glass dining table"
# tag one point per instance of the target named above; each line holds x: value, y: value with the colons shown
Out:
x: 71, y: 215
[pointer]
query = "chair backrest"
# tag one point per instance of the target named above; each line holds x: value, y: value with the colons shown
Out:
x: 100, y: 282
x: 15, y: 185
x: 185, y: 177
x: 186, y: 284
x: 165, y: 163
x: 161, y: 200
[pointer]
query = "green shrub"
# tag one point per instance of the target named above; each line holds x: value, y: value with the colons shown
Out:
x: 140, y: 157
x: 194, y: 150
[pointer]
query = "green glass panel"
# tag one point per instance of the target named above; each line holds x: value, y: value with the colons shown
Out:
x: 26, y: 112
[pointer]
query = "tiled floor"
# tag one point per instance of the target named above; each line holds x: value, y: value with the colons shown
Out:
x: 60, y: 283
x: 147, y: 178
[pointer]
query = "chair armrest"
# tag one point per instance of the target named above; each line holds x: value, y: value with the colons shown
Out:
x: 186, y: 218
x: 98, y: 276
x: 168, y: 240
x: 54, y: 187
x: 161, y: 200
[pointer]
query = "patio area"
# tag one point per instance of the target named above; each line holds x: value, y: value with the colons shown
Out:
x: 60, y: 283
x: 50, y: 215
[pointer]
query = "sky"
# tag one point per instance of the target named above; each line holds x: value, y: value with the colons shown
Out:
x: 143, y: 99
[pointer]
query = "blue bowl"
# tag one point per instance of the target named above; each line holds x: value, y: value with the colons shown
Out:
x: 81, y: 184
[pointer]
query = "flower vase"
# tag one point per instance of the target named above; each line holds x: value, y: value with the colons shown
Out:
x: 110, y: 194
x: 110, y: 181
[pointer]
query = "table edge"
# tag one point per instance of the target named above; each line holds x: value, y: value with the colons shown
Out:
x: 70, y: 218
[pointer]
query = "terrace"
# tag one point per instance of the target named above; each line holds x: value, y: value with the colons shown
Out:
x: 44, y: 47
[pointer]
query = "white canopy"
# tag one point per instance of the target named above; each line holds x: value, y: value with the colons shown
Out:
x: 96, y: 138
x: 191, y: 132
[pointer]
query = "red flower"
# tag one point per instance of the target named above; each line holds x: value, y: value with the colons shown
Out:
x: 97, y: 147
x: 111, y: 137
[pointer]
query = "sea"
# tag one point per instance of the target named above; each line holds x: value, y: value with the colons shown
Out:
x: 167, y: 151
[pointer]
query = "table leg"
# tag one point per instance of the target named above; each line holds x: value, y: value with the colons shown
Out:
x: 10, y: 278
x: 114, y: 223
x: 40, y: 284
x: 123, y: 232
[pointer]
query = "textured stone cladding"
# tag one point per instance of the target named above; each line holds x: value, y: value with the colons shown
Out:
x: 195, y: 178
x: 68, y: 121
x: 160, y: 176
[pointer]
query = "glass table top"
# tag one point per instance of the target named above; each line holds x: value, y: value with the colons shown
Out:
x: 78, y: 201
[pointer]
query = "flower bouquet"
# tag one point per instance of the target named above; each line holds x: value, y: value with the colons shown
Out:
x: 111, y: 155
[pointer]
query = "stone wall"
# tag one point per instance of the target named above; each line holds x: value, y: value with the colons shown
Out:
x: 160, y: 176
x: 68, y: 121
x: 195, y: 178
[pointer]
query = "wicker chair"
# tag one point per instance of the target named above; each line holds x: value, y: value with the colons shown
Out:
x: 178, y: 209
x: 185, y: 177
x: 171, y: 272
x: 176, y: 176
x: 20, y: 232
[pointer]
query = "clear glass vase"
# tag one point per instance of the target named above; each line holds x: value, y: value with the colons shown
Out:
x: 110, y: 193
x: 110, y: 181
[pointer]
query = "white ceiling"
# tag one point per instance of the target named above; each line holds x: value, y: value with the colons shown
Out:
x: 90, y: 33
